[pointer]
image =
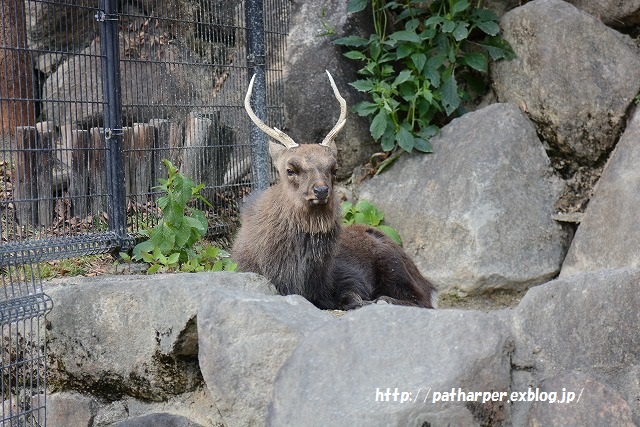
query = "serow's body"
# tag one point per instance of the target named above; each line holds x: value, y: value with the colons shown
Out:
x: 292, y: 234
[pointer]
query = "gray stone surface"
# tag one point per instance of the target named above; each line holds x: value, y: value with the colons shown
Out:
x: 244, y: 339
x: 133, y: 335
x: 311, y: 109
x: 612, y: 12
x: 577, y: 91
x: 476, y: 215
x: 158, y: 420
x: 609, y: 234
x: 65, y: 409
x: 341, y: 373
x: 581, y: 401
x: 584, y: 323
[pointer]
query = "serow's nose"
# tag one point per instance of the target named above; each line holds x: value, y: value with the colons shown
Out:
x: 321, y: 191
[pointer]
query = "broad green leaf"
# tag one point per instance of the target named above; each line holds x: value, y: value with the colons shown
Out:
x: 419, y: 61
x: 140, y: 248
x: 450, y: 98
x: 403, y: 76
x: 461, y: 32
x: 477, y: 61
x: 388, y: 140
x: 365, y: 108
x: 489, y: 27
x: 433, y: 20
x: 499, y: 48
x: 173, y: 258
x: 428, y: 132
x: 355, y: 6
x: 448, y: 26
x: 379, y: 124
x: 363, y: 85
x: 404, y: 138
x: 407, y: 36
x: 422, y: 145
x: 355, y: 54
x: 392, y: 233
x: 404, y: 49
x: 485, y: 14
x: 154, y: 269
x: 460, y: 6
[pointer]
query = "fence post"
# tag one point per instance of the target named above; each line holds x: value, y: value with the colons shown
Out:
x: 113, y: 134
x: 256, y: 63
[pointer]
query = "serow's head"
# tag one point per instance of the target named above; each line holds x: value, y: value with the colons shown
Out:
x: 306, y: 171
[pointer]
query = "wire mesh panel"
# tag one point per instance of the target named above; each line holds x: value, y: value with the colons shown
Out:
x: 94, y: 95
x: 183, y: 67
x: 23, y: 306
x: 184, y: 70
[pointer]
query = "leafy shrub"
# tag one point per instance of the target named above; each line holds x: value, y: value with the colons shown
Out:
x: 366, y: 213
x: 418, y: 74
x: 173, y: 242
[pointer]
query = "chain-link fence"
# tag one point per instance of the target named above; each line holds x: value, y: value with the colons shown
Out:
x: 94, y: 94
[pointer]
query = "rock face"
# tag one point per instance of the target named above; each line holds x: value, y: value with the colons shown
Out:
x: 577, y: 91
x: 585, y: 322
x: 593, y: 403
x: 349, y: 370
x: 609, y: 235
x: 274, y: 360
x: 240, y: 330
x: 485, y: 200
x: 157, y: 320
x: 311, y: 109
x: 612, y: 12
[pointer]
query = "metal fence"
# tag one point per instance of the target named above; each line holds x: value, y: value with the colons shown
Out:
x: 94, y: 94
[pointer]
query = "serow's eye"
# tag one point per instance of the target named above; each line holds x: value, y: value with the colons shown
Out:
x: 291, y: 172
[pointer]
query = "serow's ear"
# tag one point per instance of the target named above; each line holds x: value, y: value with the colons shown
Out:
x: 334, y: 149
x: 276, y: 150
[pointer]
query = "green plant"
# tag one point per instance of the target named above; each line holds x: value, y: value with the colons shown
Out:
x: 172, y: 241
x: 366, y: 213
x: 329, y: 30
x: 418, y: 72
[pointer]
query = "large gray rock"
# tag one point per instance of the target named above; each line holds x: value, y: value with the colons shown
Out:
x: 609, y: 234
x: 576, y: 91
x: 581, y: 401
x: 584, y: 323
x: 69, y: 409
x: 244, y: 339
x: 612, y: 12
x: 349, y: 370
x: 158, y: 420
x: 476, y: 214
x: 132, y: 335
x: 311, y: 109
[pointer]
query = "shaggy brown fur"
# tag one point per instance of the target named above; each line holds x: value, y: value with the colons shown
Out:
x: 292, y: 234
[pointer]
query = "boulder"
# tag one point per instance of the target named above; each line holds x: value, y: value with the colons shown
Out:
x: 156, y: 420
x: 612, y: 12
x: 578, y: 91
x: 585, y: 323
x: 476, y: 214
x: 385, y: 365
x: 311, y: 109
x: 115, y: 336
x: 244, y: 339
x: 609, y: 234
x: 69, y: 409
x: 581, y: 400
